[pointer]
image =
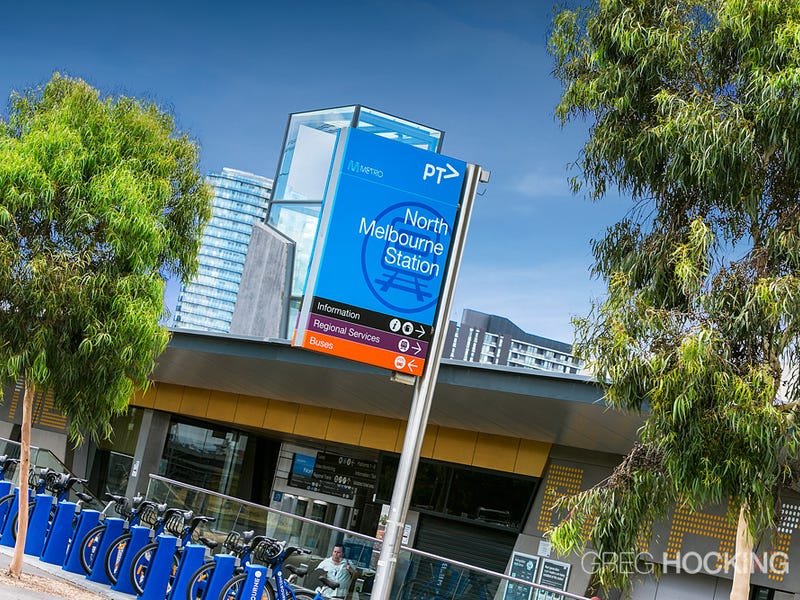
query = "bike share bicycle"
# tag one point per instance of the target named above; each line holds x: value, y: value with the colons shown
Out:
x: 240, y: 546
x: 180, y: 524
x: 90, y: 543
x: 59, y: 485
x: 7, y: 466
x: 273, y: 554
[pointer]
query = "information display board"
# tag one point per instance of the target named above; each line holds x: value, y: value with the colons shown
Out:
x: 554, y: 574
x: 332, y: 474
x: 381, y: 254
x: 523, y: 566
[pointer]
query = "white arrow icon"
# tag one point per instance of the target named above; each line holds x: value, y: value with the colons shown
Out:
x: 420, y: 332
x: 452, y: 173
x: 417, y: 348
x: 412, y: 364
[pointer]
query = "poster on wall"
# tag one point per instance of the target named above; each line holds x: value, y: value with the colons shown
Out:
x: 555, y: 575
x: 523, y: 566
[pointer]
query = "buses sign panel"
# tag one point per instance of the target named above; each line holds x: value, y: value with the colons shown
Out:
x: 381, y: 253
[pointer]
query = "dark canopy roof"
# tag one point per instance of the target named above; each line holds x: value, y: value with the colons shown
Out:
x: 537, y: 405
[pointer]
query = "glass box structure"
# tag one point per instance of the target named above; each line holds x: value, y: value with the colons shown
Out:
x: 304, y: 168
x: 240, y: 200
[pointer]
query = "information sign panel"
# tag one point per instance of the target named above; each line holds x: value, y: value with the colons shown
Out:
x: 381, y: 253
x: 554, y: 574
x: 523, y: 566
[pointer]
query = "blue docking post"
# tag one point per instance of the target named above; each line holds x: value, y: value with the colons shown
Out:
x: 160, y: 569
x: 86, y: 520
x: 255, y: 582
x: 5, y: 490
x: 7, y: 539
x: 223, y: 571
x: 37, y: 526
x: 55, y: 546
x: 114, y: 529
x: 139, y: 537
x: 192, y: 557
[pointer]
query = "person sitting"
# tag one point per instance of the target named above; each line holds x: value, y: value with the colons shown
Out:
x: 338, y: 570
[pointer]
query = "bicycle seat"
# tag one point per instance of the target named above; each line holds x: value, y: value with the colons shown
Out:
x: 300, y: 570
x: 84, y: 497
x: 210, y: 544
x: 201, y: 519
x: 247, y: 536
x: 295, y: 550
x: 113, y: 498
x: 71, y: 481
x: 328, y: 582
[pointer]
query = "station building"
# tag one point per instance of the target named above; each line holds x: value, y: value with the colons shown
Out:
x: 247, y: 415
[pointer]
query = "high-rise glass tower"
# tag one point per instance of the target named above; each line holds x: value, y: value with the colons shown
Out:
x: 240, y: 200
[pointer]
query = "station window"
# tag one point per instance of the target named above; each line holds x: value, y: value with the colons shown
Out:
x: 493, y: 498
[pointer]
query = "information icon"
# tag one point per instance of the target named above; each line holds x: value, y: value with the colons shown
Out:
x: 395, y: 325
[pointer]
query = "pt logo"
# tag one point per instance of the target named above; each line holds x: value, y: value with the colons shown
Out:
x: 445, y: 172
x: 403, y: 257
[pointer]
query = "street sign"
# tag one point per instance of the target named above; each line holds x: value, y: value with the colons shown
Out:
x: 381, y: 253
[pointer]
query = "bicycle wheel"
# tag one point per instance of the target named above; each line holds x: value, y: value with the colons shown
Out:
x: 198, y: 583
x: 15, y: 522
x: 230, y: 591
x: 141, y: 564
x: 89, y: 546
x: 114, y: 556
x: 233, y: 589
x: 5, y: 507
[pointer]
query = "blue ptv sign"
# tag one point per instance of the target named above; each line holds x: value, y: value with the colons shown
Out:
x: 382, y: 252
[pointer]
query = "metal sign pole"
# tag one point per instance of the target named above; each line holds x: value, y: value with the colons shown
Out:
x: 421, y: 402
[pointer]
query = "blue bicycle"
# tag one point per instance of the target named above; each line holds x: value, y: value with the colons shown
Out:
x: 273, y: 554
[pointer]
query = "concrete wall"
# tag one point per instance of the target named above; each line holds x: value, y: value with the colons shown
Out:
x: 262, y: 302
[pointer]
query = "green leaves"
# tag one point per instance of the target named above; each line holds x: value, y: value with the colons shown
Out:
x: 695, y: 111
x: 99, y: 199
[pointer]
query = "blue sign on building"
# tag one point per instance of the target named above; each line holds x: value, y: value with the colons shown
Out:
x: 385, y: 239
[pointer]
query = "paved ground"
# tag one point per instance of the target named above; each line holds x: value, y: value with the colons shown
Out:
x: 51, y: 582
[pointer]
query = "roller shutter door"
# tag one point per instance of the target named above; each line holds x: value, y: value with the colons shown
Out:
x: 472, y: 544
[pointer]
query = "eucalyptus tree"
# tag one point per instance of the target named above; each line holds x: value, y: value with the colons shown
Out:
x: 694, y: 112
x: 100, y: 201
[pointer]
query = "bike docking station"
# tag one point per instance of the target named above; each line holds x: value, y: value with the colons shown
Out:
x: 55, y: 546
x: 254, y: 584
x: 160, y: 569
x: 192, y: 557
x: 5, y: 490
x: 37, y: 526
x: 7, y: 539
x: 224, y: 566
x: 139, y: 537
x: 114, y: 528
x: 87, y: 519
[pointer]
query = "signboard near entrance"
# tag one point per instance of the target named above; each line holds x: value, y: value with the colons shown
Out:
x: 332, y: 474
x: 554, y: 574
x: 523, y: 566
x: 381, y: 253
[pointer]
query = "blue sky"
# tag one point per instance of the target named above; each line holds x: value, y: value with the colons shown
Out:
x: 233, y: 72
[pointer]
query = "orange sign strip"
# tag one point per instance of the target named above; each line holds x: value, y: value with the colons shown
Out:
x: 394, y: 361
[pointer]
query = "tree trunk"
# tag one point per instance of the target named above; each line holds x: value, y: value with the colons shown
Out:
x: 15, y: 568
x: 740, y: 589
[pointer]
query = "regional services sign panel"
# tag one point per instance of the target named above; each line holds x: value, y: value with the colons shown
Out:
x: 381, y: 253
